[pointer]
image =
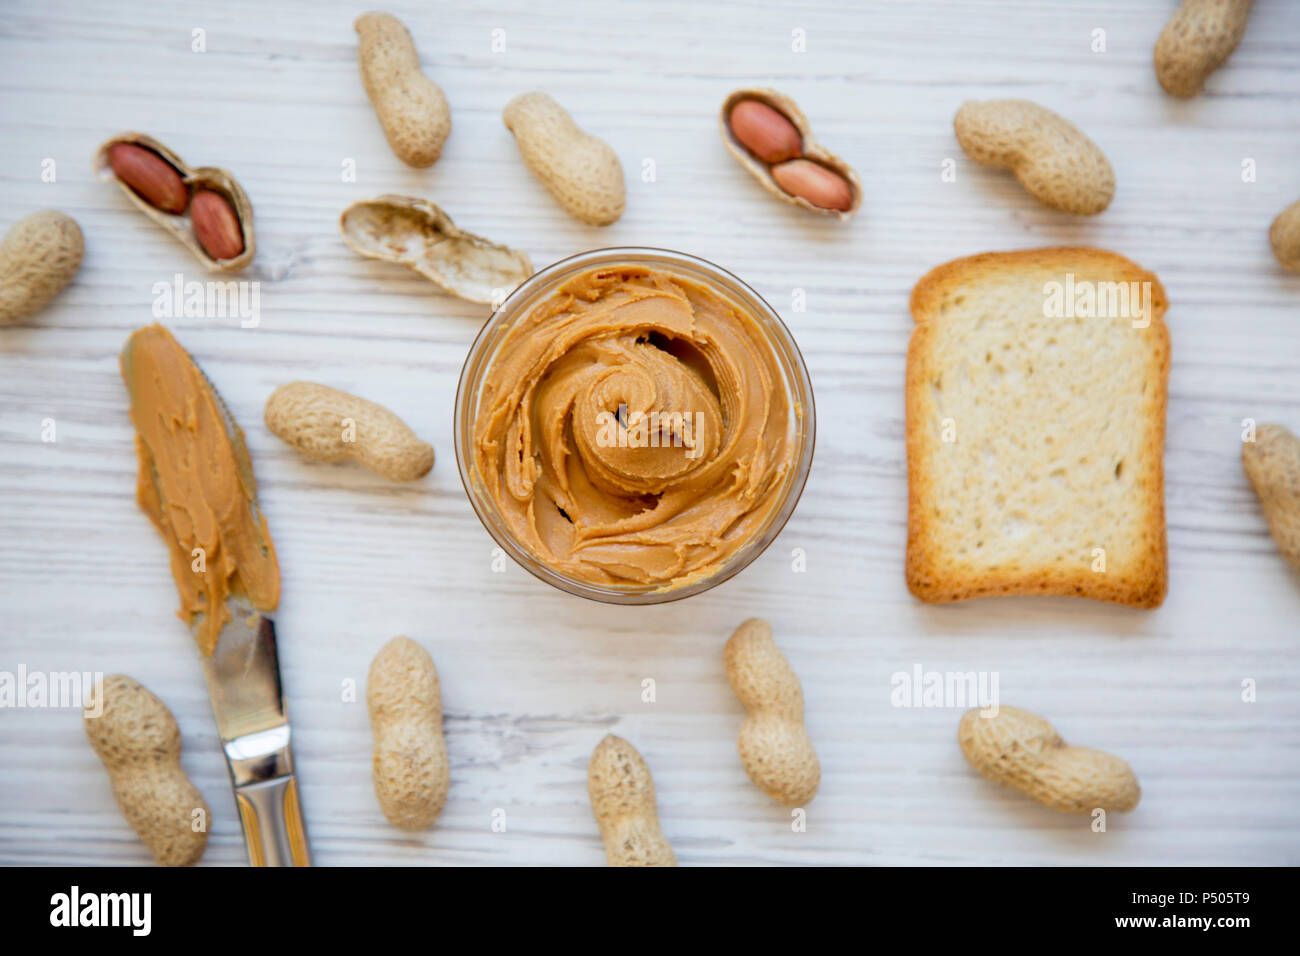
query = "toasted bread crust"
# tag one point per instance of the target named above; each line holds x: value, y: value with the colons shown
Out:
x: 1138, y: 580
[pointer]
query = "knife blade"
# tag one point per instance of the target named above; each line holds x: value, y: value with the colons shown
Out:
x: 243, y: 677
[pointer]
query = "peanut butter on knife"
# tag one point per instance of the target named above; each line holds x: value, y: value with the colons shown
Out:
x: 196, y: 484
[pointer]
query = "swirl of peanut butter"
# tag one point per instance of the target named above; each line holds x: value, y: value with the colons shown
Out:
x: 634, y: 428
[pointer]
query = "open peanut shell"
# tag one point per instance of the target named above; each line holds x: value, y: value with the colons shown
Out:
x: 812, y: 150
x: 179, y: 224
x: 417, y: 234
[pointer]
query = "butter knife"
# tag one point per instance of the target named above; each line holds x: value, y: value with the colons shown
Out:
x: 243, y: 678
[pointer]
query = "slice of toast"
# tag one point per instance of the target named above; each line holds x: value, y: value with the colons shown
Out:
x: 1036, y: 391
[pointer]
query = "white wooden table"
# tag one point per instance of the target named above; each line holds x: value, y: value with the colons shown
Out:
x: 532, y: 678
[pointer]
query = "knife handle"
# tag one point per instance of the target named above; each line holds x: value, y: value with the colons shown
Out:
x: 273, y: 827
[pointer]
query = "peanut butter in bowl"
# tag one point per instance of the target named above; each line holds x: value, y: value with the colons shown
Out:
x: 634, y: 425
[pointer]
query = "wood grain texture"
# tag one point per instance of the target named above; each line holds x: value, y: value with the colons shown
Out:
x: 533, y: 679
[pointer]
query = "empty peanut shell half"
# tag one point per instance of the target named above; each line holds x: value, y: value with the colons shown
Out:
x: 218, y: 230
x: 770, y: 136
x: 417, y: 234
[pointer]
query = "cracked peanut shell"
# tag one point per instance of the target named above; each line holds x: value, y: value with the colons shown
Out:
x: 417, y: 234
x: 195, y: 178
x: 810, y: 150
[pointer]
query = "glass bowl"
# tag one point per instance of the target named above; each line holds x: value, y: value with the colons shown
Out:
x: 797, y: 387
